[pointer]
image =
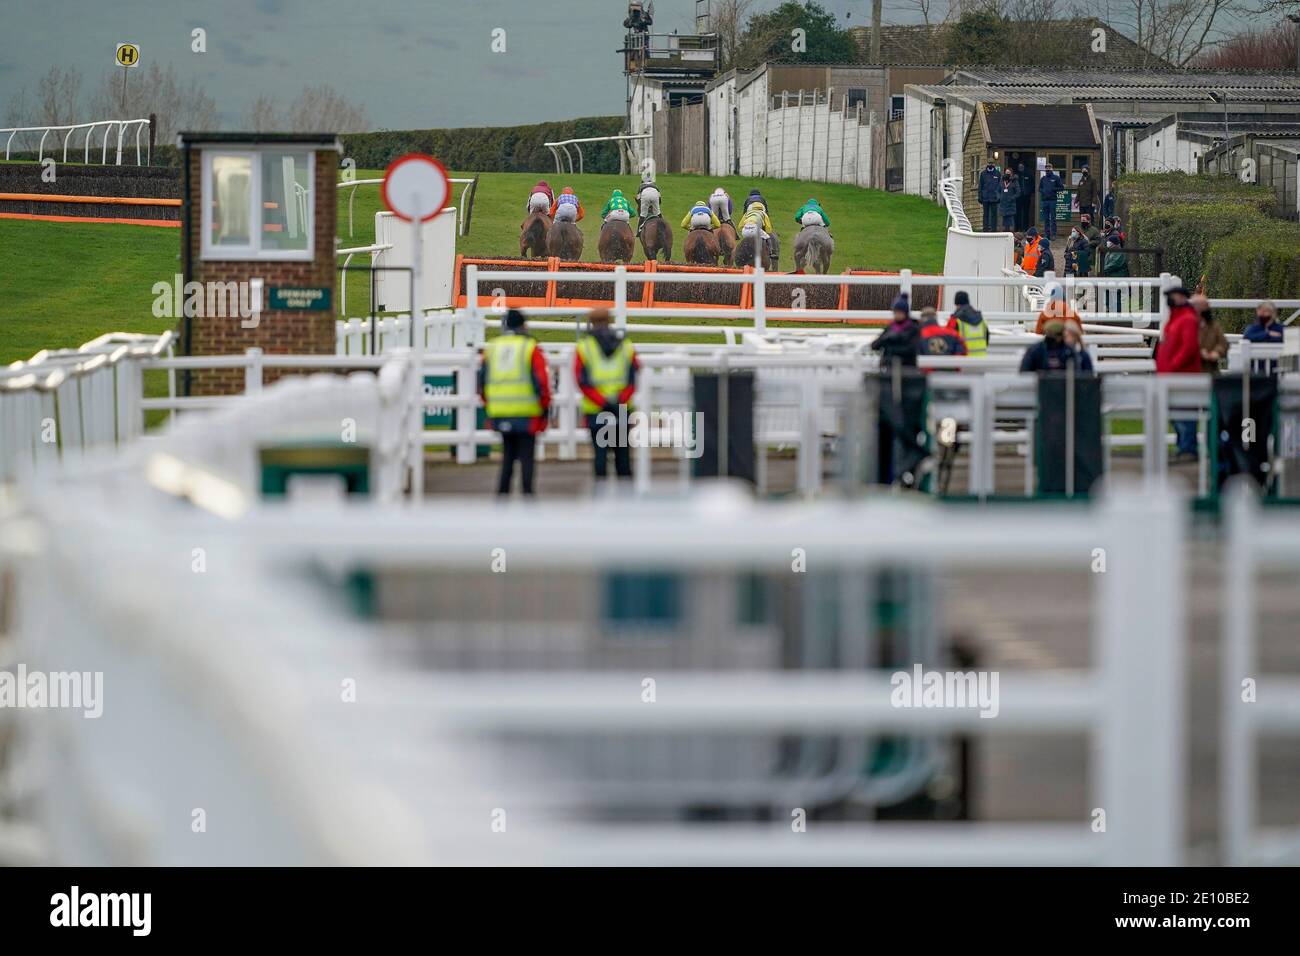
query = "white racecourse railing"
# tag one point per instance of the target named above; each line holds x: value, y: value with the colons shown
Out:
x: 1254, y: 703
x: 1140, y: 290
x: 178, y: 685
x: 108, y: 125
x: 462, y: 210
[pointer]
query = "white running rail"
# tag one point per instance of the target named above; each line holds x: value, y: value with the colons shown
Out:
x: 108, y: 126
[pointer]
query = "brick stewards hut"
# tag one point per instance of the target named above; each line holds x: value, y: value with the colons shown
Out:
x: 258, y: 210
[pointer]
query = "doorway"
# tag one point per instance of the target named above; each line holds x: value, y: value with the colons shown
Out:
x: 1027, y: 207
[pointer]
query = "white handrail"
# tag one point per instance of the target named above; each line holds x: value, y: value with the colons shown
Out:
x: 108, y: 125
x: 462, y: 215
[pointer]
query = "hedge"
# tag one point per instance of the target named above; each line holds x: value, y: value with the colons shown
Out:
x: 1185, y: 231
x: 494, y: 149
x: 1217, y: 227
x: 1260, y: 259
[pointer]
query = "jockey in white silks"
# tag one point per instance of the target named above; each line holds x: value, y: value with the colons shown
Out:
x: 648, y: 200
x: 720, y: 203
x: 541, y: 199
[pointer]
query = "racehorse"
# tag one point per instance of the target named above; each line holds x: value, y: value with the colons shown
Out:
x: 726, y: 234
x: 532, y: 237
x: 702, y: 247
x: 616, y: 242
x: 745, y: 251
x: 565, y: 241
x: 813, y: 248
x: 656, y: 237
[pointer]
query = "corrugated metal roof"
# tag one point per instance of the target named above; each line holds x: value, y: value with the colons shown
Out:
x: 970, y: 94
x: 1215, y: 79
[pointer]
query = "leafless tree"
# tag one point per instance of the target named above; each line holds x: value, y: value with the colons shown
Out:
x: 324, y: 109
x: 728, y: 21
x: 262, y: 114
x: 58, y: 96
x: 1273, y: 49
x: 1175, y: 30
x: 177, y: 105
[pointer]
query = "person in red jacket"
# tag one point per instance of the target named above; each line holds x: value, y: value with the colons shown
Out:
x: 1179, y: 352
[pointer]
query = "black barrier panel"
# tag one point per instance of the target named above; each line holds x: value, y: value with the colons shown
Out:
x: 1057, y: 444
x: 738, y: 415
x: 1240, y: 442
x: 903, y: 443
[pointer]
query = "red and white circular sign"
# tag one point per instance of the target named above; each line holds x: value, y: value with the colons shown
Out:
x: 416, y: 187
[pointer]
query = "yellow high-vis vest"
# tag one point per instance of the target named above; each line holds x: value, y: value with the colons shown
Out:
x: 608, y: 373
x: 975, y: 336
x: 509, y: 388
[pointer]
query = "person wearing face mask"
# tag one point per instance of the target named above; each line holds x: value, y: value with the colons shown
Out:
x: 1078, y: 253
x: 990, y: 193
x: 1008, y: 200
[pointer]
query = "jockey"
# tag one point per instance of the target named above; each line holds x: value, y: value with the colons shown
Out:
x: 701, y: 216
x: 753, y: 197
x: 617, y: 208
x: 754, y: 219
x: 720, y: 203
x: 567, y: 207
x: 647, y: 198
x: 812, y: 214
x: 541, y: 199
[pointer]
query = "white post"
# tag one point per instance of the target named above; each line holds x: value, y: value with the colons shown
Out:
x: 1237, y: 740
x: 417, y: 311
x: 905, y: 284
x: 471, y: 290
x: 1162, y: 305
x: 253, y: 372
x: 759, y: 286
x: 1141, y: 783
x: 416, y: 398
x: 620, y: 297
x: 466, y: 416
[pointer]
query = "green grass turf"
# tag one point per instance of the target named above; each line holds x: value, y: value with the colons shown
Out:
x: 62, y: 284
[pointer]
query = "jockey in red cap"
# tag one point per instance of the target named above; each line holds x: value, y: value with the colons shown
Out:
x: 541, y: 199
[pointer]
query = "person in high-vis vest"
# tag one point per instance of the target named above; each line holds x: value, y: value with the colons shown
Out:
x: 970, y: 325
x: 1033, y: 252
x: 605, y: 367
x: 515, y: 386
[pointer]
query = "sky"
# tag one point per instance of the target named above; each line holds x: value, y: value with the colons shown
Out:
x: 412, y: 64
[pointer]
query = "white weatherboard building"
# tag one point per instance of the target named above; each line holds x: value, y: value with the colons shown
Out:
x: 1180, y: 141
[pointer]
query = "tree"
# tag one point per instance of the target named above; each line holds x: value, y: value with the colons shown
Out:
x: 770, y: 37
x: 58, y: 97
x: 1253, y: 50
x: 1176, y: 30
x: 177, y: 106
x: 727, y: 21
x: 322, y: 109
x: 978, y: 37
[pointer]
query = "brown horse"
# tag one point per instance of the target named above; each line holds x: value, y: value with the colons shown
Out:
x: 532, y: 235
x: 745, y: 252
x: 616, y: 242
x: 656, y: 237
x: 726, y: 234
x: 702, y: 247
x: 565, y: 241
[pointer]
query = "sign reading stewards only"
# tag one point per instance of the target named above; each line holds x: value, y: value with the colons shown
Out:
x: 316, y: 299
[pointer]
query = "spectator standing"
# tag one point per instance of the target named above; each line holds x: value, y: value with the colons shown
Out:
x: 1108, y: 203
x: 1048, y: 188
x: 516, y: 388
x: 969, y: 323
x: 1087, y: 193
x: 989, y: 193
x: 1078, y: 253
x: 1214, y: 344
x: 1024, y: 208
x: 1054, y: 354
x: 1093, y: 235
x: 1179, y: 352
x: 1008, y: 200
x: 1266, y: 327
x: 605, y: 367
x: 939, y: 339
x: 901, y: 339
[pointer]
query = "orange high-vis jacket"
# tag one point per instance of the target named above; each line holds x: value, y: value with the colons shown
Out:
x: 1029, y: 261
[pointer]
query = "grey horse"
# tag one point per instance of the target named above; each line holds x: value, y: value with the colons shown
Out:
x: 813, y: 248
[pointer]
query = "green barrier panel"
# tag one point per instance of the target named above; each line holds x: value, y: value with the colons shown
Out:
x: 281, y: 462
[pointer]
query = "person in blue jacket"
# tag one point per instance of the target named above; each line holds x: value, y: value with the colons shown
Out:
x: 990, y: 192
x: 1048, y: 187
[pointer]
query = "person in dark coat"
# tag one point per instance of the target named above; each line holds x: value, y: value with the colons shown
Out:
x: 1087, y: 193
x: 1053, y: 353
x: 1078, y: 254
x: 1008, y: 200
x: 1048, y: 187
x: 989, y: 193
x: 1024, y: 208
x: 901, y: 339
x: 1108, y: 203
